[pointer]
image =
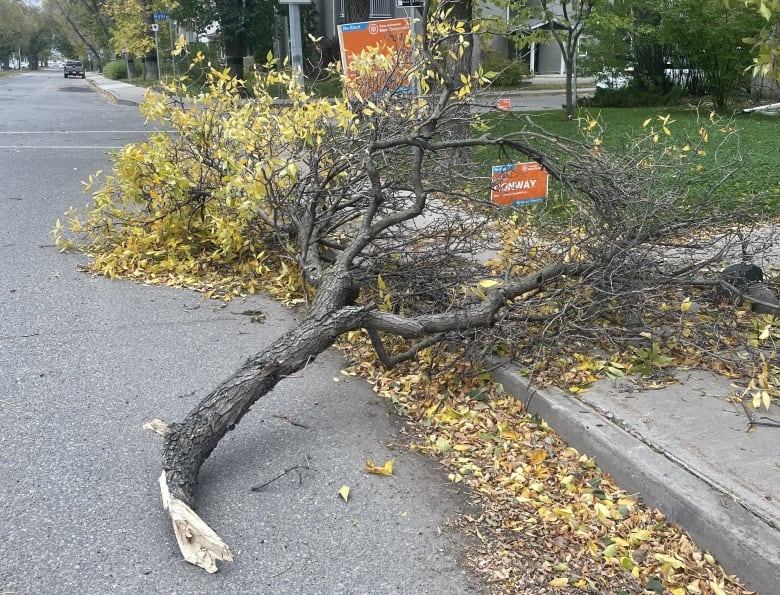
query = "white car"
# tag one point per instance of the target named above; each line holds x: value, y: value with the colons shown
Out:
x: 611, y: 78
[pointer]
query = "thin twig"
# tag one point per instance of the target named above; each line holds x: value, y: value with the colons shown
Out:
x: 257, y: 488
x: 752, y: 422
x: 292, y: 421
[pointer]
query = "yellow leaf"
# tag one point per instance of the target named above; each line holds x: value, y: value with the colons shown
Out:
x: 693, y: 587
x: 560, y: 581
x: 678, y: 591
x: 538, y: 456
x: 686, y: 304
x: 344, y: 493
x: 716, y: 588
x: 487, y: 283
x: 670, y: 560
x: 449, y: 416
x: 639, y: 535
x: 386, y: 469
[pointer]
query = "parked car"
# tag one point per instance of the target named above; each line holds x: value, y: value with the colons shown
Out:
x: 612, y: 78
x: 74, y: 68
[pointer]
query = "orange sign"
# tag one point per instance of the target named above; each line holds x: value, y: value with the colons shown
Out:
x: 390, y: 38
x: 505, y: 105
x: 521, y: 183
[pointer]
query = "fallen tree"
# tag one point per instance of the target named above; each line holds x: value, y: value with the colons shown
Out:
x: 357, y: 204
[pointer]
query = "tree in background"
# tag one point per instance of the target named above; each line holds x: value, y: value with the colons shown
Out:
x: 766, y: 40
x: 40, y: 32
x: 566, y: 22
x: 245, y: 26
x: 26, y: 33
x: 572, y: 16
x: 709, y: 38
x: 130, y: 31
x: 85, y: 23
x: 12, y: 19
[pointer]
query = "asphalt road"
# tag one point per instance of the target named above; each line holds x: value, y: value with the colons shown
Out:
x: 86, y: 361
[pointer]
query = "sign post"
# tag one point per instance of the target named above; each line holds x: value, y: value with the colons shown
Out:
x: 155, y: 27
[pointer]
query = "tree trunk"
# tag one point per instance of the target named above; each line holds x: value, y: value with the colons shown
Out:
x: 356, y: 11
x: 570, y: 99
x: 189, y: 443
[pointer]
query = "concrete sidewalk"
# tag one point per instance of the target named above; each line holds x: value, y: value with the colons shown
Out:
x: 127, y: 94
x: 122, y: 93
x: 684, y: 448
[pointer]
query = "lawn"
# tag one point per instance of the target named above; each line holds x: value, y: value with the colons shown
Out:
x: 757, y: 139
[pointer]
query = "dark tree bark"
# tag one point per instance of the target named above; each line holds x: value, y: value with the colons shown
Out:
x: 189, y: 443
x: 356, y: 11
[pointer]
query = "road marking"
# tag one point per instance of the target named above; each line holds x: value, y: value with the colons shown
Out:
x: 78, y: 132
x: 61, y: 147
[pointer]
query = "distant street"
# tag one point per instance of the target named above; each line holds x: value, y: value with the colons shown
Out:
x: 86, y: 361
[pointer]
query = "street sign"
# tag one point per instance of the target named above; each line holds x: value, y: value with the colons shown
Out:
x: 160, y: 16
x: 155, y: 27
x: 409, y: 3
x: 390, y: 38
x: 518, y: 184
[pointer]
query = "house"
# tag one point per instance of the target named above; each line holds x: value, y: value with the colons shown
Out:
x: 541, y: 58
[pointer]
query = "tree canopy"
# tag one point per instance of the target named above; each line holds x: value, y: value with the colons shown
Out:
x: 26, y: 30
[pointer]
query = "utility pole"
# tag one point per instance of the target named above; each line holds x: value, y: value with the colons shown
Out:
x: 296, y: 45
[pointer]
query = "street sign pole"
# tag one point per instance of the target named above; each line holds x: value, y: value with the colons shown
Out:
x: 155, y: 27
x: 296, y: 45
x: 173, y: 57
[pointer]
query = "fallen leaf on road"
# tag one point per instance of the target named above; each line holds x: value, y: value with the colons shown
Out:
x: 344, y: 493
x: 386, y: 469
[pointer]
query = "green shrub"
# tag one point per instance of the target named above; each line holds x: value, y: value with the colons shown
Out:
x: 115, y: 70
x: 632, y: 96
x: 510, y: 73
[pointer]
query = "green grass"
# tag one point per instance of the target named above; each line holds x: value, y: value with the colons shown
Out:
x: 757, y: 140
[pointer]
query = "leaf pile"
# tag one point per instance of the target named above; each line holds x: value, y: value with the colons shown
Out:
x: 550, y: 517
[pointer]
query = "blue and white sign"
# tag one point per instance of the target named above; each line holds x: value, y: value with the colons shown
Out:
x: 160, y: 16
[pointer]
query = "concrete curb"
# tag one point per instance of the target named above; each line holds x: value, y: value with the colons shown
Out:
x: 112, y: 90
x: 742, y: 543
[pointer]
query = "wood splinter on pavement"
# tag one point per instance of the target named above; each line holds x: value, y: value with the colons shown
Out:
x: 198, y: 542
x: 158, y: 426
